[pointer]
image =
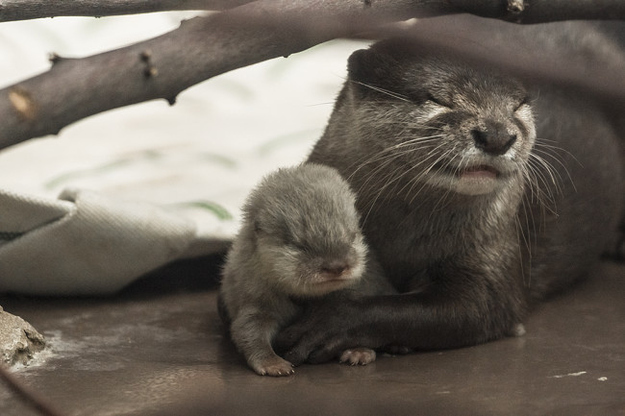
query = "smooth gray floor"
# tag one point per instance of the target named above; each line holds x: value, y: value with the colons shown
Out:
x: 158, y: 349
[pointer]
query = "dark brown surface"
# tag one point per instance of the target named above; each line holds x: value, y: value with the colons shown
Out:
x: 162, y: 352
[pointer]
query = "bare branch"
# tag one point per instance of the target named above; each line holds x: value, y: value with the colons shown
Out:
x: 11, y: 10
x: 541, y: 11
x: 521, y: 51
x: 521, y: 11
x: 205, y: 47
x: 164, y: 66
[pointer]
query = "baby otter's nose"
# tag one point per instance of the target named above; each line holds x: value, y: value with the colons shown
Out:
x: 494, y: 139
x: 335, y: 268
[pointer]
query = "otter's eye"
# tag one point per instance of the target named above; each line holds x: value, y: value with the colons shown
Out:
x: 430, y: 97
x: 525, y: 101
x: 297, y: 246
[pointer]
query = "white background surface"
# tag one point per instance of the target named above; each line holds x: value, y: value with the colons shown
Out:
x: 212, y: 146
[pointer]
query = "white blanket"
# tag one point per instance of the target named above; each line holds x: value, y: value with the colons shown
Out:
x: 125, y: 192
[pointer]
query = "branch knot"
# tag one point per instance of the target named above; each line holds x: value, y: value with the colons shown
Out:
x: 516, y: 6
x: 23, y: 103
x: 150, y: 70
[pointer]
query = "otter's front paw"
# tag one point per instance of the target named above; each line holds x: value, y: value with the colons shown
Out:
x: 276, y: 367
x: 358, y: 356
x: 517, y: 330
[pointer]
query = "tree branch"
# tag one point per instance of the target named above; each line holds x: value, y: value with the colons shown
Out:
x: 531, y: 52
x: 522, y: 11
x: 164, y: 66
x: 541, y: 11
x: 208, y: 46
x: 11, y: 10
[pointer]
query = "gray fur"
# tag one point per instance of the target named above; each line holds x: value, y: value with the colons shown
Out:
x: 474, y: 250
x: 300, y: 230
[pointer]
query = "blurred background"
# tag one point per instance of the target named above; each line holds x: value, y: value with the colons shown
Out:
x: 200, y: 156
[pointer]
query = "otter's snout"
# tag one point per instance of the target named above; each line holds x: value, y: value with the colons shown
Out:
x: 493, y: 139
x: 335, y: 269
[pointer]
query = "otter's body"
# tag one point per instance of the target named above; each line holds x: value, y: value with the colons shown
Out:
x: 300, y: 240
x: 478, y: 196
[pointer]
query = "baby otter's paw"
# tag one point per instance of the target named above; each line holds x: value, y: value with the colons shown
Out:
x: 358, y: 356
x: 276, y: 367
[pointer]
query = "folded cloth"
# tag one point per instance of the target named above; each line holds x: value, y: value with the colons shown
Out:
x: 190, y: 165
x: 84, y: 243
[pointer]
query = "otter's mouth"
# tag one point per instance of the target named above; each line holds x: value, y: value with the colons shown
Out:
x: 478, y: 172
x: 478, y: 179
x: 481, y: 171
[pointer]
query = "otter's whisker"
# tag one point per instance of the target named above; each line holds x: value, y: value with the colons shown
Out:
x: 557, y: 159
x: 387, y: 156
x: 417, y: 178
x: 382, y: 90
x: 545, y: 195
x: 393, y: 179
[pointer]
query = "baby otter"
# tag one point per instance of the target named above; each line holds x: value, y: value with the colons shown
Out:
x: 478, y: 198
x: 300, y: 239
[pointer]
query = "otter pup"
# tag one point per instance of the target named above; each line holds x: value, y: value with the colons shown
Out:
x: 300, y: 239
x: 478, y: 198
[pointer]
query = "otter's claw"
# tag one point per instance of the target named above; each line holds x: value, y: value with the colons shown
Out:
x: 358, y: 356
x: 275, y: 367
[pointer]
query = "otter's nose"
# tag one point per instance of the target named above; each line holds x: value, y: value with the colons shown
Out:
x: 335, y: 268
x: 494, y: 139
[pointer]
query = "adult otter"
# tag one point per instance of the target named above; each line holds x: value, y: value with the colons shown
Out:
x: 478, y: 197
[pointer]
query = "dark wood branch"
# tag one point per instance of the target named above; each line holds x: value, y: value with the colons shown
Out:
x: 533, y: 52
x: 208, y: 46
x: 541, y: 11
x: 11, y: 10
x: 522, y: 11
x: 164, y: 66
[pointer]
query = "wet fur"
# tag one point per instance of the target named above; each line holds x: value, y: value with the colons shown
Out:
x: 470, y: 260
x: 299, y: 224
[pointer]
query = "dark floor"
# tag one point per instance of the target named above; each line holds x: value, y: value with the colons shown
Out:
x: 163, y: 353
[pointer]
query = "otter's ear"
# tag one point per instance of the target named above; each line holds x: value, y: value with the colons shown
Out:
x: 370, y: 67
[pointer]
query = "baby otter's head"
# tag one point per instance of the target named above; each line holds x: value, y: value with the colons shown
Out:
x: 422, y: 119
x: 306, y: 230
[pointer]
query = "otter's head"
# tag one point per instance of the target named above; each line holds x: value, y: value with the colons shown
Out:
x: 432, y: 120
x: 306, y: 230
